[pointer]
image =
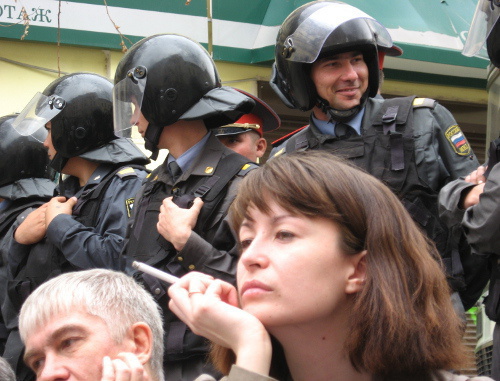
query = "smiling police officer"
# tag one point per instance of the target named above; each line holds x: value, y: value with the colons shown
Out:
x: 327, y: 61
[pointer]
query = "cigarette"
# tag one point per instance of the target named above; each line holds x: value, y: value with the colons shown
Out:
x: 155, y: 272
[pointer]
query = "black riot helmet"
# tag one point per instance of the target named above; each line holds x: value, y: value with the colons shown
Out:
x: 169, y: 77
x: 485, y: 28
x: 80, y: 109
x: 22, y: 157
x: 316, y: 30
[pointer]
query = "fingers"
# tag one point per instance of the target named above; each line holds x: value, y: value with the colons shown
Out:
x: 72, y: 202
x: 480, y: 174
x: 126, y: 367
x: 472, y: 197
x: 224, y: 291
x: 175, y: 224
x: 189, y: 286
x: 197, y: 205
x: 57, y: 199
x: 58, y: 205
x: 33, y: 228
x: 477, y: 176
x: 192, y: 282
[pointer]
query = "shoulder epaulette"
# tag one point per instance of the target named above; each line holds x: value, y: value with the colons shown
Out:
x: 424, y: 102
x: 277, y: 142
x: 126, y: 172
x: 153, y: 175
x: 247, y: 168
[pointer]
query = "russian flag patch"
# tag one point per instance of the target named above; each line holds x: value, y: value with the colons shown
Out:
x: 458, y: 141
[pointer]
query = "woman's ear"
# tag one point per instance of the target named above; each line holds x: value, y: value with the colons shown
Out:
x: 356, y: 280
x: 143, y: 341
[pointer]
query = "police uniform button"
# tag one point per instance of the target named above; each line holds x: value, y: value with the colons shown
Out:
x: 191, y: 267
x: 157, y: 291
x: 180, y: 259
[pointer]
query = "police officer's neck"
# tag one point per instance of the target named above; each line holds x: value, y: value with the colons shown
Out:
x: 181, y: 136
x: 318, y: 114
x: 80, y: 168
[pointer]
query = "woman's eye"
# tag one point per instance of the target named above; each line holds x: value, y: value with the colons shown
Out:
x: 245, y: 243
x: 285, y: 235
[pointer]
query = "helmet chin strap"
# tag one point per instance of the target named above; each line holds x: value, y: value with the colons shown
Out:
x: 152, y: 138
x: 342, y: 116
x: 58, y: 162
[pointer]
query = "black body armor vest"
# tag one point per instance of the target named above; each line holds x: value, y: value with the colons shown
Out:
x: 386, y: 149
x: 147, y: 245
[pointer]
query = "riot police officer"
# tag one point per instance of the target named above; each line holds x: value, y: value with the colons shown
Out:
x: 473, y: 203
x: 327, y: 61
x: 168, y: 86
x: 84, y: 227
x: 25, y: 182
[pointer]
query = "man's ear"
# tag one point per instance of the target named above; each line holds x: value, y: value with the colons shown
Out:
x: 143, y: 341
x: 261, y: 144
x: 357, y: 278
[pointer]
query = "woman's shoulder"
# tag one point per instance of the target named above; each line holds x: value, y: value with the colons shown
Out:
x: 238, y: 374
x: 447, y: 376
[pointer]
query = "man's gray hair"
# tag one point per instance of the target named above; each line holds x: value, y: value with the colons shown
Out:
x: 113, y: 296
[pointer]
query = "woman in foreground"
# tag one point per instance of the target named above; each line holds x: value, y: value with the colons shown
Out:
x: 335, y: 282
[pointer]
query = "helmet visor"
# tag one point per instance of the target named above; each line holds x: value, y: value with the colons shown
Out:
x: 37, y: 113
x: 483, y: 21
x: 307, y: 42
x: 127, y: 101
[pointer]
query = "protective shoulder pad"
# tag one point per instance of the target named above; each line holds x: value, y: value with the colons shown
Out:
x: 247, y: 168
x: 424, y: 102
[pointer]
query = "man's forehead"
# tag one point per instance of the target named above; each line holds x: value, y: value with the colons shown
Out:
x: 48, y: 333
x: 62, y: 321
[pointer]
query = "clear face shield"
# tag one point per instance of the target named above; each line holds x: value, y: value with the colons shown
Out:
x: 37, y: 113
x: 127, y: 101
x: 312, y: 33
x: 482, y: 24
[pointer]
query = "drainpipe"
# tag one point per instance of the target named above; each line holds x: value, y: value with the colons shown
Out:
x: 209, y: 25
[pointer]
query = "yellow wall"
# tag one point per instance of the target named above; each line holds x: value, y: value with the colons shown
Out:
x: 19, y: 84
x: 441, y: 93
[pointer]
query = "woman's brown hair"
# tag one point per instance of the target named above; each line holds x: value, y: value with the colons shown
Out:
x: 402, y: 322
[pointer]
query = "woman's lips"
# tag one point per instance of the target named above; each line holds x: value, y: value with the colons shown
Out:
x: 254, y: 287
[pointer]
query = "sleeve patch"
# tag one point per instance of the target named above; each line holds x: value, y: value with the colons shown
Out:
x: 129, y: 205
x: 457, y: 140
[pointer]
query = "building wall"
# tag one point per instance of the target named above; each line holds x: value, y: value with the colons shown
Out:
x: 19, y: 84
